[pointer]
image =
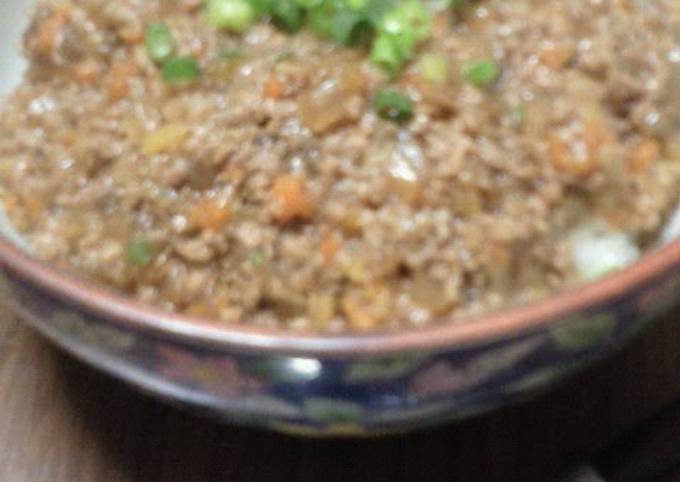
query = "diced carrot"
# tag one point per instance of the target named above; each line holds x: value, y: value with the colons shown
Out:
x: 49, y: 31
x: 210, y: 214
x: 273, y: 88
x: 291, y: 200
x: 86, y: 71
x: 118, y: 79
x: 580, y: 156
x: 565, y: 159
x: 643, y: 155
x: 329, y: 248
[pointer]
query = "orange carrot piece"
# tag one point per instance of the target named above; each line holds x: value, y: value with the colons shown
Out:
x: 210, y: 214
x: 273, y: 88
x: 329, y: 248
x: 291, y: 200
x: 118, y: 79
x: 49, y: 30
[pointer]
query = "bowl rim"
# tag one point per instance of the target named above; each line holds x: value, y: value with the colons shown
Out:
x: 128, y: 313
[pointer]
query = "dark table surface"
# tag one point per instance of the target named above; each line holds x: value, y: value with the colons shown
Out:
x: 63, y: 422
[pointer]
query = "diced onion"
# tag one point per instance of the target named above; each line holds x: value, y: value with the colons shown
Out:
x: 672, y: 230
x: 597, y: 251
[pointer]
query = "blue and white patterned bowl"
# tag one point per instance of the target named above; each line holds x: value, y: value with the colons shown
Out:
x: 329, y: 385
x: 334, y: 385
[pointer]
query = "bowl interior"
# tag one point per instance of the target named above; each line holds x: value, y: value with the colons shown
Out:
x: 13, y: 21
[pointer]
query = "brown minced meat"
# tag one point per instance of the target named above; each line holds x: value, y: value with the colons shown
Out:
x: 269, y: 192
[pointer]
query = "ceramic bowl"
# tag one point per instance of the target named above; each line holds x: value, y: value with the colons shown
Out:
x: 328, y: 385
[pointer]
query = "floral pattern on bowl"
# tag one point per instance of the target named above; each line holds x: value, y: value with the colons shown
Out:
x: 330, y: 395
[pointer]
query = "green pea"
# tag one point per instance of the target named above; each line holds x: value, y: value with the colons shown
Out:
x: 392, y: 105
x: 139, y: 253
x: 482, y: 73
x: 180, y: 70
x: 158, y: 41
x: 234, y: 15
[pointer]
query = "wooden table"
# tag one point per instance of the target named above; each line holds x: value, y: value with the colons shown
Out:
x: 63, y: 422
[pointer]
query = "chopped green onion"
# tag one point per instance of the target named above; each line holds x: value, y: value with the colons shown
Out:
x: 385, y: 53
x: 482, y: 73
x: 375, y: 10
x: 309, y: 4
x: 357, y: 5
x: 434, y: 68
x: 350, y: 28
x: 439, y: 5
x: 401, y: 29
x: 392, y: 29
x: 392, y: 105
x: 409, y: 19
x: 288, y: 15
x: 180, y: 70
x: 235, y: 15
x: 139, y: 253
x: 158, y: 41
x: 319, y: 18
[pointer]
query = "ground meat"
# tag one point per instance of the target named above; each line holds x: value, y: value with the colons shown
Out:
x: 269, y: 192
